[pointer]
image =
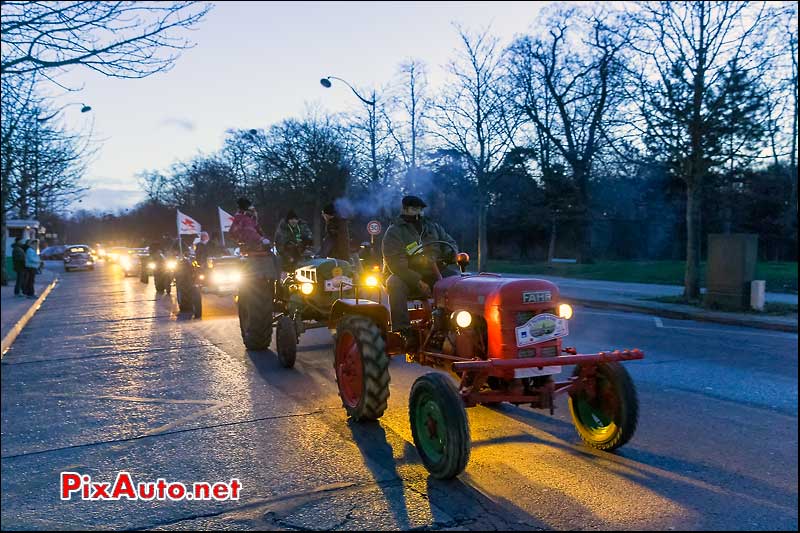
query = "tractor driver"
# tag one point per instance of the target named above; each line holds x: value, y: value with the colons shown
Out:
x: 292, y: 238
x: 413, y: 276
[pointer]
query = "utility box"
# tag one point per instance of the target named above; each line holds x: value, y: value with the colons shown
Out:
x: 730, y: 269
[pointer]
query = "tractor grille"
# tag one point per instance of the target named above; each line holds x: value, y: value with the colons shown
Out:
x: 548, y: 351
x: 524, y: 316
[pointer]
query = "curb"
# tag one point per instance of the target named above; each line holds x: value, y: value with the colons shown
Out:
x: 9, y: 339
x: 684, y: 315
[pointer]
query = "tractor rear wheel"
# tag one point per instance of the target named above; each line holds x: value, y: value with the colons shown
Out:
x: 255, y: 313
x: 286, y: 341
x: 607, y: 420
x: 362, y: 368
x: 439, y: 425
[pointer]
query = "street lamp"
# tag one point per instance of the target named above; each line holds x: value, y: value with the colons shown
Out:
x: 373, y: 119
x: 84, y: 109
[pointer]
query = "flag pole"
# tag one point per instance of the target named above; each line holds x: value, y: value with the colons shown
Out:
x: 178, y: 222
x: 221, y: 228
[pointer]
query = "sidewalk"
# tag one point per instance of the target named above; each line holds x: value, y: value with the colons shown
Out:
x: 630, y: 297
x: 13, y: 308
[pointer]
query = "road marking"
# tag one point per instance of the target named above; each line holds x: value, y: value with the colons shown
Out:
x: 658, y: 322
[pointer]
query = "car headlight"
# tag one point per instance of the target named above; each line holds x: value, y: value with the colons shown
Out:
x: 172, y: 265
x: 565, y: 311
x: 151, y: 265
x: 371, y: 281
x: 125, y: 262
x: 201, y: 276
x: 235, y: 277
x: 217, y: 277
x: 463, y: 319
x: 307, y: 288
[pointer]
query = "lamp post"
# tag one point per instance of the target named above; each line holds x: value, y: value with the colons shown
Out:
x: 84, y: 109
x: 373, y: 120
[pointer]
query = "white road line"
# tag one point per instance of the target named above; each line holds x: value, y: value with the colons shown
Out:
x: 658, y: 322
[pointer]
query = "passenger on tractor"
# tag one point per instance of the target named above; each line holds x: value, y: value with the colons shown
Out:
x: 293, y: 239
x: 245, y: 228
x: 336, y: 241
x: 413, y: 276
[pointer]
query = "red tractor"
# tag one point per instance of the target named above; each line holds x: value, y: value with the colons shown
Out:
x: 502, y: 340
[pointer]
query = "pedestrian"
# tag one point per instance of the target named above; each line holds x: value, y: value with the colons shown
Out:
x: 32, y: 267
x: 18, y: 257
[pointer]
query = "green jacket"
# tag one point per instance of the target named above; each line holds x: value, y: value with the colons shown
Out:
x: 295, y: 238
x: 401, y: 236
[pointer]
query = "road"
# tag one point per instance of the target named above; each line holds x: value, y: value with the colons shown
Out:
x: 106, y: 378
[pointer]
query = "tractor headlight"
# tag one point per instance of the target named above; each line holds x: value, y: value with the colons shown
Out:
x: 565, y: 311
x: 125, y: 263
x: 202, y: 276
x: 151, y: 265
x: 463, y: 319
x: 172, y: 264
x: 307, y: 288
x: 371, y: 281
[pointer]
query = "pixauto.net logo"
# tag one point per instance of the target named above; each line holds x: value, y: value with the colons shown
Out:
x: 81, y: 486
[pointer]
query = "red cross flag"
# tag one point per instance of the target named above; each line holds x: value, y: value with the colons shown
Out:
x: 225, y: 220
x: 187, y: 225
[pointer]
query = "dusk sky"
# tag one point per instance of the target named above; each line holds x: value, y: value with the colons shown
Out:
x: 256, y: 63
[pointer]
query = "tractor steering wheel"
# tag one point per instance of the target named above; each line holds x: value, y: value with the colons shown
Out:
x: 418, y: 249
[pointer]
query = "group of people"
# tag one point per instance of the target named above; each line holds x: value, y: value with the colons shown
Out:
x: 411, y: 275
x: 293, y: 238
x: 27, y: 264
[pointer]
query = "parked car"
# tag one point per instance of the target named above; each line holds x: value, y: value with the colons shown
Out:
x: 53, y: 253
x: 77, y: 256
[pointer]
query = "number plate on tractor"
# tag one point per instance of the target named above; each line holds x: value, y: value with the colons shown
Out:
x: 541, y: 328
x: 333, y: 284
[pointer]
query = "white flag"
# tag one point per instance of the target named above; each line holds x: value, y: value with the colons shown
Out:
x: 225, y: 220
x: 187, y: 225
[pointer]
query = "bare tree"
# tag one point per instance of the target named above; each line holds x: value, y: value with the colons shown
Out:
x: 473, y: 121
x: 414, y: 104
x: 119, y: 39
x: 564, y: 83
x: 696, y: 57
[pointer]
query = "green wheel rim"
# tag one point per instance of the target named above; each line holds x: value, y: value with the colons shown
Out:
x: 431, y: 428
x: 598, y: 415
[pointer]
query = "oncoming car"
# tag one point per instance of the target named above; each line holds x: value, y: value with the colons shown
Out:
x: 129, y: 263
x: 221, y: 275
x: 77, y: 256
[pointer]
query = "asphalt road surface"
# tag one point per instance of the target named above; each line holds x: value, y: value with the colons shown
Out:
x: 107, y: 378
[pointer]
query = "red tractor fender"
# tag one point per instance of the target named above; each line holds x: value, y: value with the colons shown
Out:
x: 368, y: 308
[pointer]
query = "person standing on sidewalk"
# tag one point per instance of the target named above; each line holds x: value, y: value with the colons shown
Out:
x: 32, y: 266
x: 18, y: 257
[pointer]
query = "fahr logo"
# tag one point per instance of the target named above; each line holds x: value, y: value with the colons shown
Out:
x: 534, y: 297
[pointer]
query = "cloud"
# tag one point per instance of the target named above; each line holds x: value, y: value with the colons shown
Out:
x: 108, y: 200
x: 185, y: 124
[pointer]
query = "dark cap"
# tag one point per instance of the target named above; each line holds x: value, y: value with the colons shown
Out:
x: 413, y: 201
x: 244, y: 204
x: 291, y: 214
x: 329, y: 209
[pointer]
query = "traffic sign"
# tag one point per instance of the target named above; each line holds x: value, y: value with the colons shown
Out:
x: 374, y: 227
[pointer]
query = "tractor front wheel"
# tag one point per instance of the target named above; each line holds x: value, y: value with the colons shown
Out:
x: 607, y: 419
x: 255, y: 313
x: 439, y: 425
x: 362, y: 368
x: 286, y: 341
